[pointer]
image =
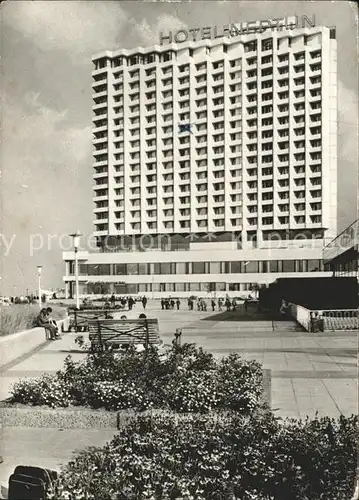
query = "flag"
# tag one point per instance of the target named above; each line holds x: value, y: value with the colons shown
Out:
x: 185, y: 127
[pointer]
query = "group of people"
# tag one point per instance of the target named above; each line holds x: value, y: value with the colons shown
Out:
x: 201, y: 304
x: 124, y: 301
x: 219, y: 304
x: 170, y: 303
x: 46, y: 321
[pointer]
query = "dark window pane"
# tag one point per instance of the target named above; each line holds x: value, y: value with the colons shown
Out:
x: 156, y: 269
x: 120, y: 269
x: 236, y: 267
x: 198, y: 268
x: 299, y: 266
x: 265, y: 266
x: 93, y: 269
x: 251, y: 266
x: 104, y: 269
x: 83, y: 269
x: 273, y: 266
x: 226, y: 267
x: 165, y: 268
x: 288, y: 266
x: 143, y: 269
x: 313, y: 265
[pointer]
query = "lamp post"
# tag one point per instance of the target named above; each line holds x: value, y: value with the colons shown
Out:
x: 39, y: 269
x: 76, y: 240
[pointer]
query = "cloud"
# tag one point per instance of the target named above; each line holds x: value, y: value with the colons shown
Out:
x: 81, y: 28
x: 78, y: 27
x: 39, y: 140
x: 348, y: 122
x: 150, y: 34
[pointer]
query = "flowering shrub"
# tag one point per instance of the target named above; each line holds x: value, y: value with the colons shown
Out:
x: 206, y: 458
x: 119, y: 395
x: 183, y: 379
x: 47, y: 390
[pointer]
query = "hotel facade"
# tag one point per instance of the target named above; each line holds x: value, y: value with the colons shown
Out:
x: 214, y: 164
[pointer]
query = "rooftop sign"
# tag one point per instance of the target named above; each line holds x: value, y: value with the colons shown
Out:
x: 238, y: 29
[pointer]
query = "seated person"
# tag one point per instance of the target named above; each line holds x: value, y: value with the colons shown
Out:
x: 44, y: 320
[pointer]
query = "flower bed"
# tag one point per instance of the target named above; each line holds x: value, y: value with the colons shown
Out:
x: 200, y: 458
x: 186, y: 379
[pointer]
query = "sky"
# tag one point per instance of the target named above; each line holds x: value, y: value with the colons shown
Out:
x: 46, y: 150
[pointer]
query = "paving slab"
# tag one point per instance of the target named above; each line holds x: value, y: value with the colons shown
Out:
x: 311, y: 373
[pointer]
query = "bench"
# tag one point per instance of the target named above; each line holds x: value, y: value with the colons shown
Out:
x: 117, y: 333
x: 79, y: 319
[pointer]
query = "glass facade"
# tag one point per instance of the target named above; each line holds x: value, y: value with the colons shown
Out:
x: 190, y: 268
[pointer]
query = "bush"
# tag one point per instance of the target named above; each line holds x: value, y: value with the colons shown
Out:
x: 186, y: 379
x: 205, y: 458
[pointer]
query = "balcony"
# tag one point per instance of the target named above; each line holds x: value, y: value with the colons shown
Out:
x: 99, y: 128
x: 100, y: 95
x: 101, y: 163
x: 100, y: 71
x: 100, y: 140
x: 96, y: 186
x: 99, y: 175
x: 100, y: 221
x: 99, y: 83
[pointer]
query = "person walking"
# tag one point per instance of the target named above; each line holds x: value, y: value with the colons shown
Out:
x: 234, y: 304
x: 144, y: 302
x: 246, y: 305
x: 130, y: 303
x: 178, y: 304
x: 219, y: 304
x: 228, y: 304
x: 162, y: 304
x: 213, y: 303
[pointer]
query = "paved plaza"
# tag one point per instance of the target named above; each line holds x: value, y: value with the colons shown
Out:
x: 311, y: 372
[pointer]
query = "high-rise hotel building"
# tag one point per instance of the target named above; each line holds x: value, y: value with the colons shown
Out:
x: 214, y: 163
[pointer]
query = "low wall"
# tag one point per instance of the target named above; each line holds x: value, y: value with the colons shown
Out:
x: 15, y: 345
x: 82, y: 418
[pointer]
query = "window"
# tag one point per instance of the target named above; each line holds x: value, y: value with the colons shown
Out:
x: 236, y: 267
x: 132, y: 269
x: 288, y: 266
x: 215, y: 267
x: 198, y: 268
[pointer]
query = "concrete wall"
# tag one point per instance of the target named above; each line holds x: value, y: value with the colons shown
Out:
x: 15, y: 345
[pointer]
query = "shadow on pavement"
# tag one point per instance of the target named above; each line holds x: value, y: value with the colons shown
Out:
x: 252, y: 314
